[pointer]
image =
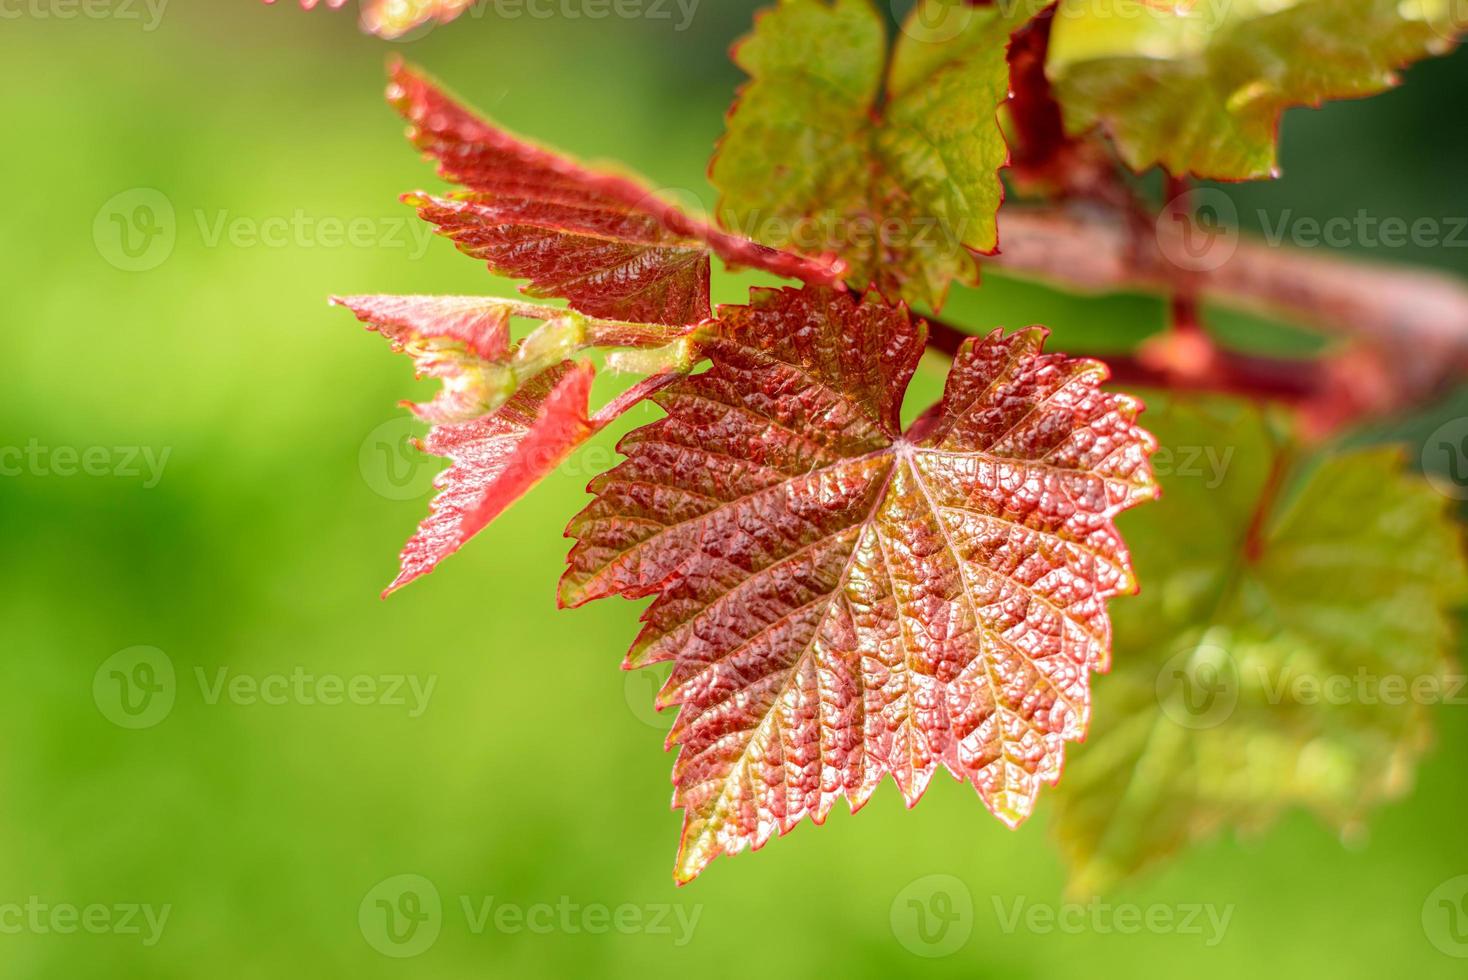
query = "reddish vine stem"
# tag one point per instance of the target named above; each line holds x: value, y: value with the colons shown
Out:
x: 1274, y: 484
x: 1406, y: 329
x: 1044, y: 158
x: 643, y: 389
x: 1185, y: 350
x: 1187, y: 321
x: 1293, y: 382
x: 1040, y: 137
x: 1093, y: 250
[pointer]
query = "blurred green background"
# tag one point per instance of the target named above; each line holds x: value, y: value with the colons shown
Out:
x: 535, y: 774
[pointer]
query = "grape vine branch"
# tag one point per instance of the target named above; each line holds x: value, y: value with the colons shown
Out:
x: 845, y: 600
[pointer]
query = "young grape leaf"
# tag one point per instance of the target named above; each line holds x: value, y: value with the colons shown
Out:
x: 496, y: 459
x: 392, y: 19
x: 841, y: 600
x: 463, y: 341
x: 604, y: 242
x: 506, y: 415
x: 1261, y: 669
x: 895, y: 168
x: 574, y: 234
x: 605, y: 262
x: 1199, y: 88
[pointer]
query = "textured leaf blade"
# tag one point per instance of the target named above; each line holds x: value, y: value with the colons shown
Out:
x: 615, y: 264
x: 496, y: 459
x: 1200, y: 89
x: 506, y: 416
x: 896, y: 170
x: 479, y: 323
x: 1197, y: 731
x: 841, y: 601
x: 604, y: 241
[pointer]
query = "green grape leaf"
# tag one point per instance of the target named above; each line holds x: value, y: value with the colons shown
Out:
x: 892, y: 166
x: 1247, y: 680
x: 1199, y: 87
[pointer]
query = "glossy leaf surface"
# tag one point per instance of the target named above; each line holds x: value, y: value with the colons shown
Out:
x: 593, y: 239
x: 604, y: 241
x: 842, y: 601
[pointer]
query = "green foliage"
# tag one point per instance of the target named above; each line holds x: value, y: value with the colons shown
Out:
x: 893, y: 168
x: 1295, y: 670
x: 1200, y: 91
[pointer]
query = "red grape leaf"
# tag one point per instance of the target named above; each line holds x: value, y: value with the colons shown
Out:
x: 608, y: 263
x: 842, y: 601
x: 456, y: 339
x: 496, y: 459
x: 603, y: 241
x: 500, y: 448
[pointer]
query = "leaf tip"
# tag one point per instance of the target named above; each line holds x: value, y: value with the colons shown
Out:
x: 407, y: 574
x: 570, y: 594
x: 400, y: 74
x: 694, y: 855
x: 1010, y: 807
